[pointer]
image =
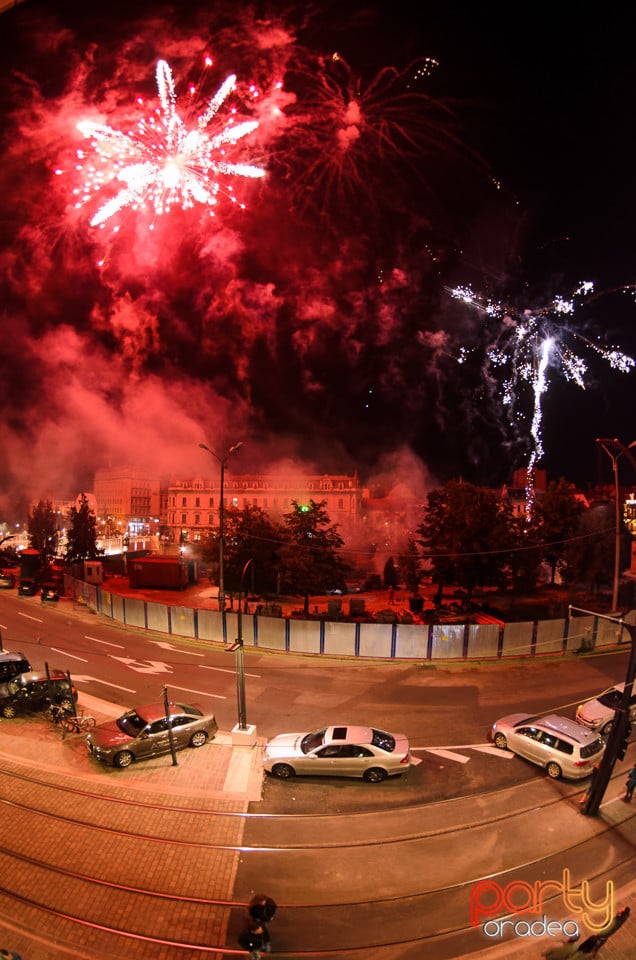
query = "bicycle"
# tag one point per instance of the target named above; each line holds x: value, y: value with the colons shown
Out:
x: 73, y: 724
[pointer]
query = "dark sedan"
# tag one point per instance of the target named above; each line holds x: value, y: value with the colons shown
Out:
x: 145, y: 732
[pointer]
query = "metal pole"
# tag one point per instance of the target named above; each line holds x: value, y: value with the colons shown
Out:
x: 617, y: 537
x: 166, y: 706
x: 620, y: 725
x: 221, y: 538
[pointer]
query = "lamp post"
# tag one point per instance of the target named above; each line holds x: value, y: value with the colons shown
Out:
x: 222, y: 460
x: 610, y: 447
x: 237, y: 648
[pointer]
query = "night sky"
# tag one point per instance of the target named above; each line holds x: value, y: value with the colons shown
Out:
x: 314, y: 318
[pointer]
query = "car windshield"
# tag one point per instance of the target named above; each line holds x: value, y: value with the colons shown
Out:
x: 384, y: 741
x: 611, y: 699
x: 312, y: 740
x: 131, y: 724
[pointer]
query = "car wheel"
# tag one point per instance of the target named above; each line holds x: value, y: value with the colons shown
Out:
x: 198, y: 739
x: 554, y: 770
x: 67, y: 704
x: 500, y: 741
x: 283, y: 771
x: 9, y: 711
x: 606, y: 729
x: 123, y: 759
x: 375, y: 775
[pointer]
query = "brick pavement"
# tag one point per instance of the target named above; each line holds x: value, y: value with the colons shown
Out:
x: 231, y: 778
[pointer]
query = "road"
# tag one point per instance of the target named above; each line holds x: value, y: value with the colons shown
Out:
x: 353, y: 864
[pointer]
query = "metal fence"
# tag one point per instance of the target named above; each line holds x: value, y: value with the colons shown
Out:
x: 383, y: 641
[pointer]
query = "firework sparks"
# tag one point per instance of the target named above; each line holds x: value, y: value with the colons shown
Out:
x: 350, y: 142
x: 528, y: 344
x: 163, y: 162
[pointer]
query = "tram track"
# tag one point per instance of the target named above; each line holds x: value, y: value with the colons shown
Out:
x: 357, y: 921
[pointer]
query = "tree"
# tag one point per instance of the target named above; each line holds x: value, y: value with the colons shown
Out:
x: 590, y: 554
x: 554, y: 520
x: 411, y: 565
x: 43, y: 533
x: 250, y: 534
x: 467, y: 535
x: 309, y: 560
x: 81, y: 538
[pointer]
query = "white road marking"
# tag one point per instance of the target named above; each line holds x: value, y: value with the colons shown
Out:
x: 494, y: 751
x: 27, y: 617
x: 144, y: 666
x: 115, y: 686
x: 171, y: 646
x: 204, y: 666
x: 199, y: 693
x: 446, y: 754
x: 119, y: 646
x: 65, y: 653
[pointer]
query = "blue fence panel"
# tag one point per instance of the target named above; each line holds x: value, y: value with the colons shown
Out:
x: 376, y: 639
x: 118, y: 608
x: 340, y: 639
x: 517, y: 639
x: 210, y: 626
x: 135, y: 612
x: 182, y: 621
x: 411, y: 641
x: 304, y: 636
x: 448, y: 641
x: 157, y: 616
x: 483, y: 640
x: 550, y: 635
x: 272, y: 632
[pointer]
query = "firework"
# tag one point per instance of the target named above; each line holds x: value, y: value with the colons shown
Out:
x: 350, y: 143
x: 164, y: 162
x: 529, y: 344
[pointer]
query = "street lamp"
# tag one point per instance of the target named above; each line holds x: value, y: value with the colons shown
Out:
x: 609, y: 446
x: 237, y: 648
x: 222, y: 460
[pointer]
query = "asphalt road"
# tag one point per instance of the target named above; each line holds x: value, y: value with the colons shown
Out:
x: 446, y: 710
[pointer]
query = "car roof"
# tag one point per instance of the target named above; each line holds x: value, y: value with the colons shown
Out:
x: 568, y: 728
x: 35, y: 675
x: 11, y: 655
x: 157, y: 711
x: 348, y: 734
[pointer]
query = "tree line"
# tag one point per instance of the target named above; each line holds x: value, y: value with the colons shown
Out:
x: 469, y: 537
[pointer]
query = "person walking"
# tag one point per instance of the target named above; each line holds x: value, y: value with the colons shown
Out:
x: 254, y: 937
x: 261, y: 909
x: 630, y: 784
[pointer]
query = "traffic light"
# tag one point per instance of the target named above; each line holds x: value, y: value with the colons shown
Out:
x: 622, y: 750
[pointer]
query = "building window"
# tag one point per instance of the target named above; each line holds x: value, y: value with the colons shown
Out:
x: 197, y: 519
x: 211, y: 502
x: 184, y: 502
x: 197, y: 502
x: 184, y: 518
x: 210, y: 519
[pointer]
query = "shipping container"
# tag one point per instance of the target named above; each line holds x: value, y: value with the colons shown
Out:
x: 167, y: 573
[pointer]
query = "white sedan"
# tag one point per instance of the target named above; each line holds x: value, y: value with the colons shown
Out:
x: 343, y: 751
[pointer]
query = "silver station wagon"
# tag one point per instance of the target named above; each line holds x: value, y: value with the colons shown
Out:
x: 561, y: 746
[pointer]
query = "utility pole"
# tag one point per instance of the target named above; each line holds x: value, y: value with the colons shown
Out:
x: 621, y: 727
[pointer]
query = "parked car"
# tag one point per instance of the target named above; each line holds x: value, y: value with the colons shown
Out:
x: 12, y: 664
x: 143, y: 732
x: 7, y: 580
x: 343, y: 751
x: 27, y: 588
x: 36, y: 691
x: 599, y: 714
x: 561, y: 746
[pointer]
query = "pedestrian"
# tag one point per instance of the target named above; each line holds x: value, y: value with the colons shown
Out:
x: 254, y: 937
x: 261, y: 909
x: 630, y: 784
x: 9, y: 955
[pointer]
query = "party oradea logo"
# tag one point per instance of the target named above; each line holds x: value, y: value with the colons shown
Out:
x: 491, y: 902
